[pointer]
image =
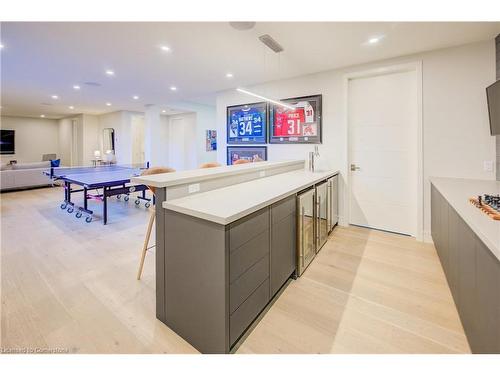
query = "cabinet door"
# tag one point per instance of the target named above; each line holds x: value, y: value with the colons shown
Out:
x: 488, y: 300
x: 453, y: 248
x: 467, y: 282
x: 333, y: 197
x: 283, y: 242
x: 435, y: 216
x: 443, y: 234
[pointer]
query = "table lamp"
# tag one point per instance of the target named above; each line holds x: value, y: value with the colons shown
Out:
x: 97, y: 154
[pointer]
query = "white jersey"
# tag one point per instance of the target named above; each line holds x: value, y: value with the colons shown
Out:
x: 308, y: 111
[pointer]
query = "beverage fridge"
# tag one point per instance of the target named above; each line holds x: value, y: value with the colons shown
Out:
x: 317, y: 214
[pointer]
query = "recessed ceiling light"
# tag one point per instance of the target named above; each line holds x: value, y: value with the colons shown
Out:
x: 71, y: 107
x: 163, y: 111
x: 165, y: 48
x: 55, y: 97
x: 374, y: 40
x: 1, y: 46
x: 173, y: 88
x: 229, y: 75
x: 110, y: 72
x: 76, y: 87
x: 108, y: 104
x: 42, y: 116
x: 135, y: 97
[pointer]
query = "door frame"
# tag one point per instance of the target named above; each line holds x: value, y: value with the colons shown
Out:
x: 416, y: 67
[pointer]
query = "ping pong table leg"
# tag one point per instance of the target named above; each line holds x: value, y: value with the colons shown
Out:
x: 104, y: 206
x: 68, y: 191
x: 85, y: 198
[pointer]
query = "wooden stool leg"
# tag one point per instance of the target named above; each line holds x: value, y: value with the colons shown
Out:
x: 146, y: 243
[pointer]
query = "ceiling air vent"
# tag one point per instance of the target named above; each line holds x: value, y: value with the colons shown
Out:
x: 92, y: 84
x: 271, y: 43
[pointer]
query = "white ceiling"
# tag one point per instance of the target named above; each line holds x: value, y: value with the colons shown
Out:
x: 43, y: 59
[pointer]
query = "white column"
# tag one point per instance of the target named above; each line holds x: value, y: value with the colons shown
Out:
x: 155, y: 145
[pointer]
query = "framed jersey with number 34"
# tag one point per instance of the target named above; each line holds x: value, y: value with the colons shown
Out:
x: 302, y: 124
x: 247, y: 123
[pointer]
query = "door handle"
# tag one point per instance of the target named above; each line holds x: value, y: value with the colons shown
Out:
x: 354, y: 167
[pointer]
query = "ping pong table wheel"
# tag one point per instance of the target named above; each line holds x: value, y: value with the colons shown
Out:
x: 78, y: 214
x: 137, y: 202
x: 126, y: 198
x: 70, y: 210
x: 88, y: 219
x: 118, y: 196
x: 63, y: 206
x: 147, y: 204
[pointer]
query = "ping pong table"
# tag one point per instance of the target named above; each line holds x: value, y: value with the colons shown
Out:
x: 107, y: 181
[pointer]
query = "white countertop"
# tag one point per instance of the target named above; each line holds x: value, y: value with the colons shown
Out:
x: 225, y: 205
x: 196, y: 175
x: 457, y: 192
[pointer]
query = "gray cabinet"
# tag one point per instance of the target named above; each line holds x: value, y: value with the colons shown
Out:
x: 215, y: 279
x: 333, y: 202
x: 283, y: 242
x: 487, y: 300
x: 473, y: 274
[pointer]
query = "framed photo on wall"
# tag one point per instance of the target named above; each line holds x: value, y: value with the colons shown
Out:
x: 299, y: 125
x: 247, y: 123
x: 211, y: 140
x: 251, y: 153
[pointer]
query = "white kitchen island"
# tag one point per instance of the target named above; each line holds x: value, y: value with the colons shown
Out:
x: 225, y: 246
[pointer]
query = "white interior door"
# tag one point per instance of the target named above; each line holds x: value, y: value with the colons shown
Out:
x: 383, y: 120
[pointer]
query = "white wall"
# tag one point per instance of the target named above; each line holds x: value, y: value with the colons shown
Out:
x: 91, y: 138
x: 34, y: 137
x: 121, y: 122
x: 205, y: 120
x: 456, y: 137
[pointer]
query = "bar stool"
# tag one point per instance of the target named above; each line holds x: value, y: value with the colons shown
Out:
x: 209, y: 165
x: 145, y: 248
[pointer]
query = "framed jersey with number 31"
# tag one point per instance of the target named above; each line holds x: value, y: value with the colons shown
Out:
x: 247, y: 123
x: 302, y: 124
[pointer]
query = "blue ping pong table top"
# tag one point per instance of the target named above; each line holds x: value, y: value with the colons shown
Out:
x: 96, y: 176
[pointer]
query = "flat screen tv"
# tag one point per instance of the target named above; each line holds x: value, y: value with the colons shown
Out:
x: 493, y: 95
x: 7, y: 144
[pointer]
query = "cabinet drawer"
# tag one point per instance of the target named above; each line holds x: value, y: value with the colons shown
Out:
x: 248, y: 311
x: 244, y: 285
x: 247, y: 255
x: 245, y: 229
x: 282, y: 209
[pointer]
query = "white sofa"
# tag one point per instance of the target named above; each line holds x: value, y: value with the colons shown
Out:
x: 24, y: 175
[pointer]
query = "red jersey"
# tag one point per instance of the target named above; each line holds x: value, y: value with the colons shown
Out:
x: 288, y: 123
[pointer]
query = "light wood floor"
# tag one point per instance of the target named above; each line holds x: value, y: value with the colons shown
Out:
x: 71, y: 285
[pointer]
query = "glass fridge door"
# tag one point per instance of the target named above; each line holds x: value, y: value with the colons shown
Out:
x: 306, y: 229
x: 321, y: 214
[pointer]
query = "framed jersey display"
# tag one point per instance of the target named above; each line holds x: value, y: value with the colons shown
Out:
x: 247, y: 123
x: 299, y: 125
x: 251, y: 154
